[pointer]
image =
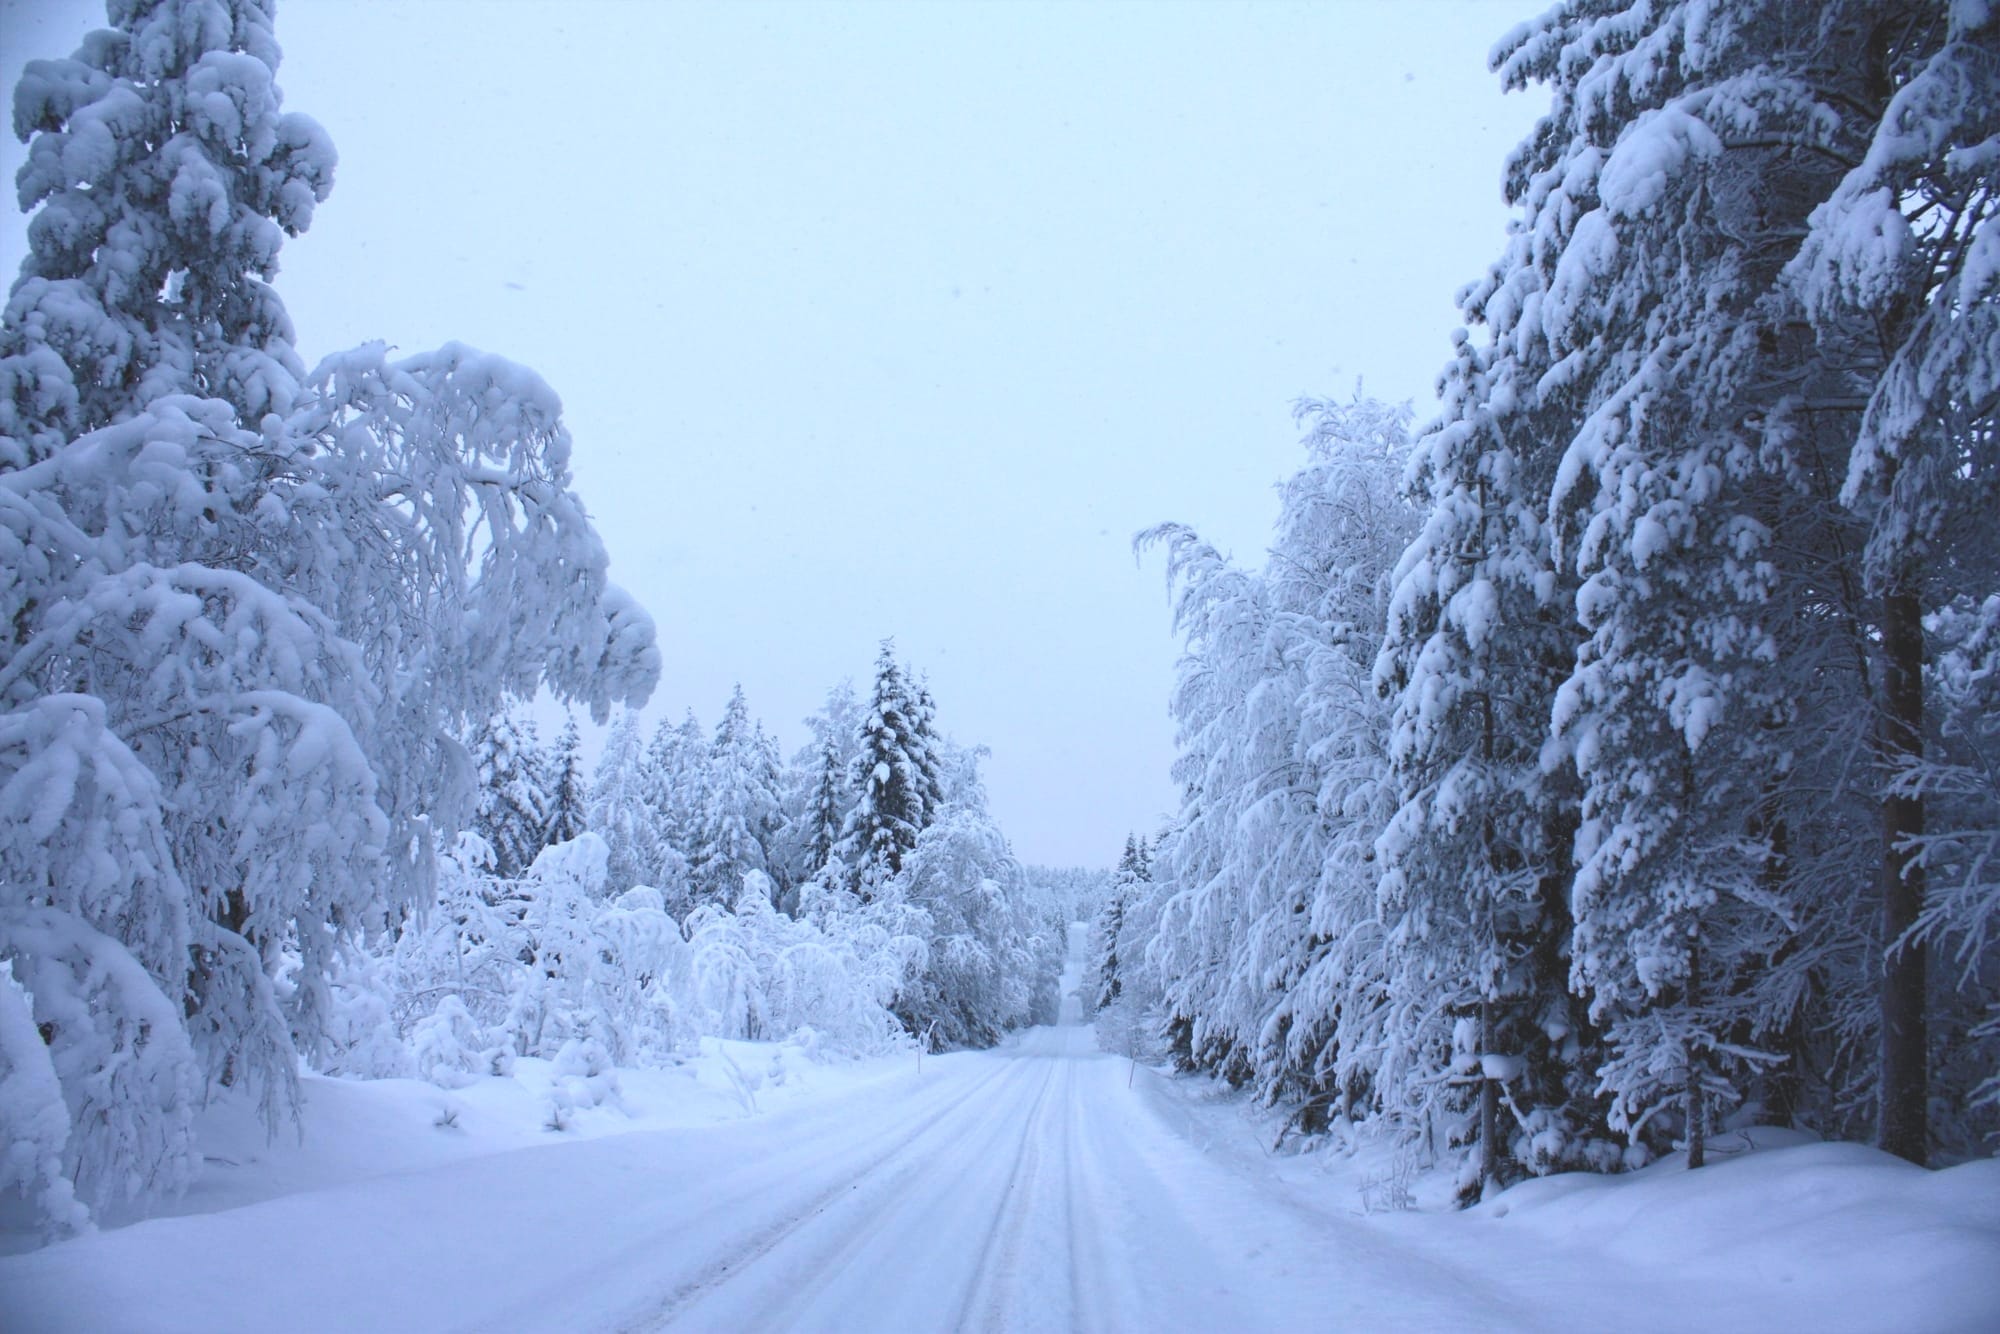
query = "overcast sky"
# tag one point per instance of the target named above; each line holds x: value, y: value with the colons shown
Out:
x: 901, y: 319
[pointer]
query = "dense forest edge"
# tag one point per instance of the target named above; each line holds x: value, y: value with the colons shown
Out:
x: 1611, y: 762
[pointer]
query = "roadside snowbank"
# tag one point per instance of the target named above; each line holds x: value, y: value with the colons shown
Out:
x: 1853, y: 1238
x: 1779, y: 1230
x: 352, y: 1130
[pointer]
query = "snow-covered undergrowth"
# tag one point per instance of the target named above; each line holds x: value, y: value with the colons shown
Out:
x: 554, y: 964
x: 350, y: 1130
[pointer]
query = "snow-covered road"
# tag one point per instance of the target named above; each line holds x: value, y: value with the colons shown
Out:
x: 1026, y: 1188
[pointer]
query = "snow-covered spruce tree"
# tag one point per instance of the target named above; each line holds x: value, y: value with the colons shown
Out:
x: 1632, y: 325
x: 164, y: 177
x: 1107, y: 927
x: 825, y: 779
x: 676, y: 778
x: 1720, y: 345
x: 1899, y: 275
x: 830, y: 798
x: 512, y: 807
x: 776, y: 835
x: 894, y: 777
x: 1662, y: 199
x: 242, y: 623
x: 1960, y: 851
x: 939, y: 764
x: 956, y: 944
x: 1475, y: 861
x: 618, y: 810
x: 569, y: 791
x: 739, y: 811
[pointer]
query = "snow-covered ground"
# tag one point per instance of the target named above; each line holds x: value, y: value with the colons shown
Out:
x: 1027, y: 1188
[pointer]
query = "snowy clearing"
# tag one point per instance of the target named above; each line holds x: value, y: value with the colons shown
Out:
x: 1026, y: 1188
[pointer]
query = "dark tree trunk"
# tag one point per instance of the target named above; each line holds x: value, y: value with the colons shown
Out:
x: 1696, y: 1098
x: 1489, y: 1106
x: 1489, y: 1095
x: 1905, y: 1127
x: 1782, y: 1088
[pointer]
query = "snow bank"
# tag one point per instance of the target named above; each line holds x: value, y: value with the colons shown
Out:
x: 1779, y: 1231
x: 352, y: 1130
x: 1787, y: 1231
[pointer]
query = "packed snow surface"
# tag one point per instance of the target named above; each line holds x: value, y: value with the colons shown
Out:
x: 1027, y: 1188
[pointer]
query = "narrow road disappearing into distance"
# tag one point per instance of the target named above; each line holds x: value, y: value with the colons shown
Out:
x: 1022, y: 1189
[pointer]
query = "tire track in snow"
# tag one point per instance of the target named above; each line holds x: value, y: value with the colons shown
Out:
x: 821, y: 1239
x: 1086, y: 1257
x: 999, y: 1253
x: 733, y: 1248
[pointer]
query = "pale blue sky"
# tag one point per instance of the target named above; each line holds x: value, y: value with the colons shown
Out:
x: 901, y: 319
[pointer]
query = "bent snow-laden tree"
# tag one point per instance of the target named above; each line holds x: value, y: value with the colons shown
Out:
x: 243, y: 610
x: 1267, y: 939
